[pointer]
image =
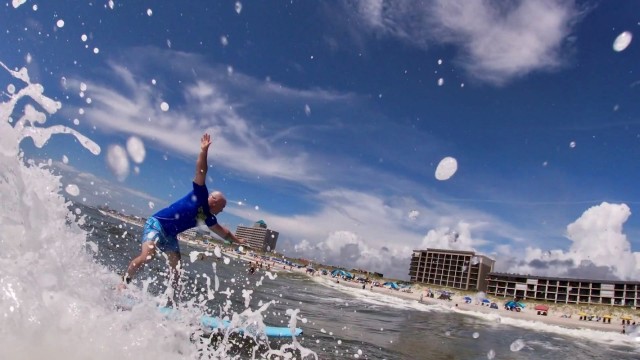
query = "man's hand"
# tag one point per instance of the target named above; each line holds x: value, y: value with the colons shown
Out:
x: 201, y: 163
x: 205, y: 142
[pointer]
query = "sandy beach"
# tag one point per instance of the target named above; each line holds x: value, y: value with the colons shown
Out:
x: 458, y: 304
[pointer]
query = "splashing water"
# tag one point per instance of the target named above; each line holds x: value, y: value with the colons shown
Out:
x: 53, y: 293
x: 622, y: 41
x: 517, y: 345
x: 446, y: 168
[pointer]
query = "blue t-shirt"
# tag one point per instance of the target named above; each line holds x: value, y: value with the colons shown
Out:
x: 184, y: 213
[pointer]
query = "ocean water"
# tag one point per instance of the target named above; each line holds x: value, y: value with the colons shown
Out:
x: 58, y: 265
x: 341, y: 322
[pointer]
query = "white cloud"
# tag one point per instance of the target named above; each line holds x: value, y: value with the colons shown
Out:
x: 458, y: 238
x: 599, y: 249
x: 350, y: 229
x: 345, y: 248
x: 498, y: 41
x: 370, y: 231
x: 368, y: 215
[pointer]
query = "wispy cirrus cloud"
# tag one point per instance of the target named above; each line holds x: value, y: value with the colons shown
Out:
x: 94, y: 190
x: 133, y: 106
x: 497, y: 41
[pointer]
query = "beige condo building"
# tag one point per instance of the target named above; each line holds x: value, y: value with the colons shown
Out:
x: 463, y: 270
x: 565, y: 290
x: 258, y: 236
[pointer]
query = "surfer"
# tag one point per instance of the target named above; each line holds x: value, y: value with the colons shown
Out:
x: 161, y: 230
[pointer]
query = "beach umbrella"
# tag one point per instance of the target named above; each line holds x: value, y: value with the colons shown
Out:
x: 517, y: 306
x: 340, y: 272
x: 391, y: 284
x: 467, y: 298
x: 486, y: 301
x: 541, y: 309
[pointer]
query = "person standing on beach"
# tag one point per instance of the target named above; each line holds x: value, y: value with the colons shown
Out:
x: 162, y: 228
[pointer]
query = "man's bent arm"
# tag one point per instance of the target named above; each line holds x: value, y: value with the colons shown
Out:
x: 201, y: 163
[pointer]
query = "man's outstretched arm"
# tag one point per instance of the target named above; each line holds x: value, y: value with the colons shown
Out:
x: 226, y: 234
x: 201, y: 163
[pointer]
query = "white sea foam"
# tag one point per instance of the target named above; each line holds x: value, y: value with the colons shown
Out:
x: 52, y: 293
x: 605, y: 337
x: 376, y: 298
x: 55, y: 301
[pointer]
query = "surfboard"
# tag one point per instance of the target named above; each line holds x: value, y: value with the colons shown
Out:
x: 271, y: 331
x: 214, y: 323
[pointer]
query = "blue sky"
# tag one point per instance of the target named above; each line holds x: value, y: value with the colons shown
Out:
x: 329, y: 120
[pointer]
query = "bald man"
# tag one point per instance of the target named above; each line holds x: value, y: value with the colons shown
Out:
x: 161, y: 230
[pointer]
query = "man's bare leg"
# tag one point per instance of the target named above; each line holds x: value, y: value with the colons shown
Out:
x: 173, y: 258
x: 147, y: 253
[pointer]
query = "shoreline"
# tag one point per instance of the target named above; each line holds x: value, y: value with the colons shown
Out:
x: 457, y: 303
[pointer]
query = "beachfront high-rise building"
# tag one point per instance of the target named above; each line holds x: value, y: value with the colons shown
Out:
x: 463, y: 270
x: 258, y: 236
x: 565, y: 290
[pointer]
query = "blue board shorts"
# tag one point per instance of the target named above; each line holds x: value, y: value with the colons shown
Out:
x: 153, y: 231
